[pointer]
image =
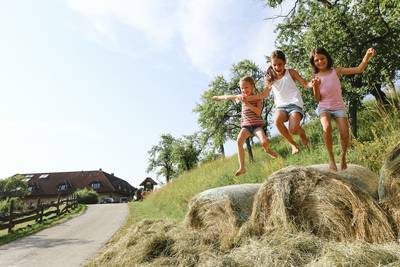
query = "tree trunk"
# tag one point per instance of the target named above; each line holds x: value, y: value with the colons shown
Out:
x: 353, y: 117
x: 222, y: 151
x: 249, y: 150
x: 379, y: 95
x: 394, y: 94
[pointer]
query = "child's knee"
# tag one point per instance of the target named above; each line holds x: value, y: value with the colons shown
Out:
x: 278, y: 122
x: 293, y: 129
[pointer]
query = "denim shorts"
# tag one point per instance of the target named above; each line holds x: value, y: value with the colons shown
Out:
x: 252, y: 128
x: 335, y: 113
x: 291, y: 108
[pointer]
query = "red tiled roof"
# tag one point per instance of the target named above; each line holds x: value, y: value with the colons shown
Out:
x: 47, y: 184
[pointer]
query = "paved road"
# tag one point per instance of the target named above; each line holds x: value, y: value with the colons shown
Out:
x: 68, y: 244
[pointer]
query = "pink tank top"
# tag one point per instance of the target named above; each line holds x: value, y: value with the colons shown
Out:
x: 331, y: 91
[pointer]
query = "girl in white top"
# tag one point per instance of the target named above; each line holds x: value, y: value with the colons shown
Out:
x: 287, y: 98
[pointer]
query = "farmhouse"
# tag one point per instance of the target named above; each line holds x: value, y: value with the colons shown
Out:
x: 48, y: 186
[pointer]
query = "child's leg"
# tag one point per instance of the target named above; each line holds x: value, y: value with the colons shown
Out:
x: 259, y: 132
x: 343, y: 126
x: 327, y: 133
x: 295, y: 128
x: 280, y: 118
x: 243, y: 135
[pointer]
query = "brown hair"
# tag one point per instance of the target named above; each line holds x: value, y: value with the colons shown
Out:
x: 271, y: 75
x: 322, y: 51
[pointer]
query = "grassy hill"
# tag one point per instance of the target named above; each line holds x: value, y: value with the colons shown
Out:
x: 379, y: 132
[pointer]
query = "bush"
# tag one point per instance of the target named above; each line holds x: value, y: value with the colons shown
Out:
x: 87, y: 196
x: 4, y: 207
x: 19, y: 205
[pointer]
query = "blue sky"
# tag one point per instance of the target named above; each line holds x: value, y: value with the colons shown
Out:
x: 93, y: 84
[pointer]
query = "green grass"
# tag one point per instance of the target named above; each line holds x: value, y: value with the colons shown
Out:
x: 31, y: 227
x: 379, y: 131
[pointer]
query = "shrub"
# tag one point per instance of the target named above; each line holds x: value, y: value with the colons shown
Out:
x: 87, y: 196
x: 4, y: 207
x: 19, y: 205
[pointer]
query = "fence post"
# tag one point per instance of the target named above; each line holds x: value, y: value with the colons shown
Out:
x: 37, y: 210
x: 11, y: 224
x: 58, y: 204
x: 66, y: 207
x: 41, y: 212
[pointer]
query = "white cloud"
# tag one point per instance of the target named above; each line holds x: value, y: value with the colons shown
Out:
x: 213, y: 34
x: 153, y: 20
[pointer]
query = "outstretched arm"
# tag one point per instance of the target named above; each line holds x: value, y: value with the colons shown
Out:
x: 360, y: 69
x: 226, y: 97
x: 264, y: 94
x: 297, y: 77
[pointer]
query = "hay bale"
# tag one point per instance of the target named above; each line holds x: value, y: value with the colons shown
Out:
x: 389, y: 186
x: 221, y: 208
x: 323, y: 203
x: 356, y: 175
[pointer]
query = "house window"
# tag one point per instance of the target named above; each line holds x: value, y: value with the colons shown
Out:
x: 43, y: 176
x: 95, y: 185
x: 30, y: 189
x: 62, y: 187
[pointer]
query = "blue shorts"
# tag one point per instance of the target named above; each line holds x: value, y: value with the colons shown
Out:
x: 291, y: 108
x: 334, y: 113
x: 252, y: 128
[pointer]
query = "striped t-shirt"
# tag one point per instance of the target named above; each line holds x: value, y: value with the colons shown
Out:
x: 249, y: 118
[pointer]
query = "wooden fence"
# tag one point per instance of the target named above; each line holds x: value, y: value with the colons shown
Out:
x: 14, y: 218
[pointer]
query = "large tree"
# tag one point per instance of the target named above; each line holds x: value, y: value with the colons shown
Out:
x: 161, y: 159
x: 214, y: 119
x: 186, y: 151
x: 346, y: 28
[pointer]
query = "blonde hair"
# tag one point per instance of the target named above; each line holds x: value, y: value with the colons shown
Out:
x: 248, y: 79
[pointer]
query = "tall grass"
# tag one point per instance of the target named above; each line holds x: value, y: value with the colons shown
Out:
x: 379, y: 131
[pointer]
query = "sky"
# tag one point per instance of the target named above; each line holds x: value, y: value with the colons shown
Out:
x: 90, y: 84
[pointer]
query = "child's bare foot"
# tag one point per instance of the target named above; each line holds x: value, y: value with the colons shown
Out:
x: 271, y: 153
x: 240, y: 172
x: 295, y: 150
x: 304, y: 140
x: 332, y: 166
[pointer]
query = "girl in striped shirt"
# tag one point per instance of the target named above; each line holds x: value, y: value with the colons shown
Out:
x: 250, y: 122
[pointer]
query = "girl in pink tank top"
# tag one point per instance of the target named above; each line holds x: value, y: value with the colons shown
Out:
x: 329, y: 96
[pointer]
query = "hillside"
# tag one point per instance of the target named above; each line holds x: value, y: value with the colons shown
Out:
x: 166, y: 242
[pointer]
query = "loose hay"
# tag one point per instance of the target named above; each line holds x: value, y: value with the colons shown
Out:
x: 389, y: 186
x: 323, y: 203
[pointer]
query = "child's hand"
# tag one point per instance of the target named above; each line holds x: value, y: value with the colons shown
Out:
x: 316, y: 81
x: 216, y: 98
x: 370, y: 52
